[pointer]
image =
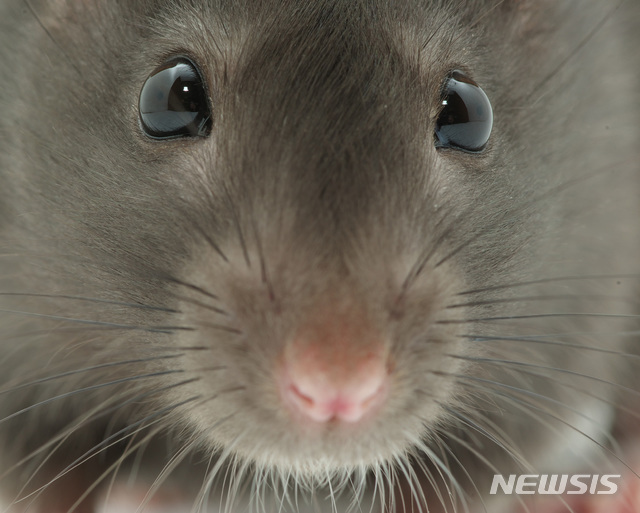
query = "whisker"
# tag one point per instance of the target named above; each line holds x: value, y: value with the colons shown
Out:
x: 538, y: 316
x: 442, y: 471
x: 414, y: 482
x: 389, y: 473
x: 114, y: 439
x: 238, y: 226
x: 241, y: 485
x: 180, y: 348
x: 90, y: 300
x: 424, y: 258
x: 357, y: 480
x: 226, y: 453
x: 152, y: 329
x: 263, y: 264
x: 521, y: 208
x: 525, y: 406
x: 491, y: 467
x: 121, y: 459
x: 573, y: 54
x: 87, y: 369
x: 209, y: 241
x: 89, y: 388
x: 535, y: 339
x: 532, y: 404
x: 429, y: 475
x: 531, y: 394
x: 226, y: 482
x: 169, y: 467
x: 75, y: 330
x: 191, y: 286
x: 95, y: 414
x: 50, y: 36
x: 514, y: 363
x: 334, y: 506
x: 220, y: 327
x: 489, y: 302
x: 621, y: 407
x: 114, y: 467
x: 400, y: 466
x: 550, y: 280
x: 206, y: 473
x: 41, y: 464
x: 445, y: 447
x: 498, y: 437
x: 203, y: 305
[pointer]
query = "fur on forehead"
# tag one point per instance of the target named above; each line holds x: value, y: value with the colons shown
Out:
x: 226, y: 19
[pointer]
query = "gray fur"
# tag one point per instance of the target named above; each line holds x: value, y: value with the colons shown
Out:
x: 319, y: 184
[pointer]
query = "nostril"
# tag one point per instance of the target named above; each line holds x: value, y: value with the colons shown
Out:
x: 307, y: 402
x: 308, y: 406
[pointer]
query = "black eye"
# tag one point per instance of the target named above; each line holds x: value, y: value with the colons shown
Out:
x: 173, y: 102
x: 466, y: 117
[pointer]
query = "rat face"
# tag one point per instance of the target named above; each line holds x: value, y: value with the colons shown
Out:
x: 320, y: 233
x: 305, y: 240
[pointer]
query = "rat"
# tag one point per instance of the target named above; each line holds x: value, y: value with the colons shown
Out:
x: 315, y: 256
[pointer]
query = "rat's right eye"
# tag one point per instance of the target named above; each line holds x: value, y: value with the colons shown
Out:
x: 174, y: 103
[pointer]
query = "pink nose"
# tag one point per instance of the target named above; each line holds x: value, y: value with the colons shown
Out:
x: 335, y: 365
x: 338, y: 389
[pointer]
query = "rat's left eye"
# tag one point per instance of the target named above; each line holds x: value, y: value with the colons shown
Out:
x: 466, y: 118
x: 173, y: 102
